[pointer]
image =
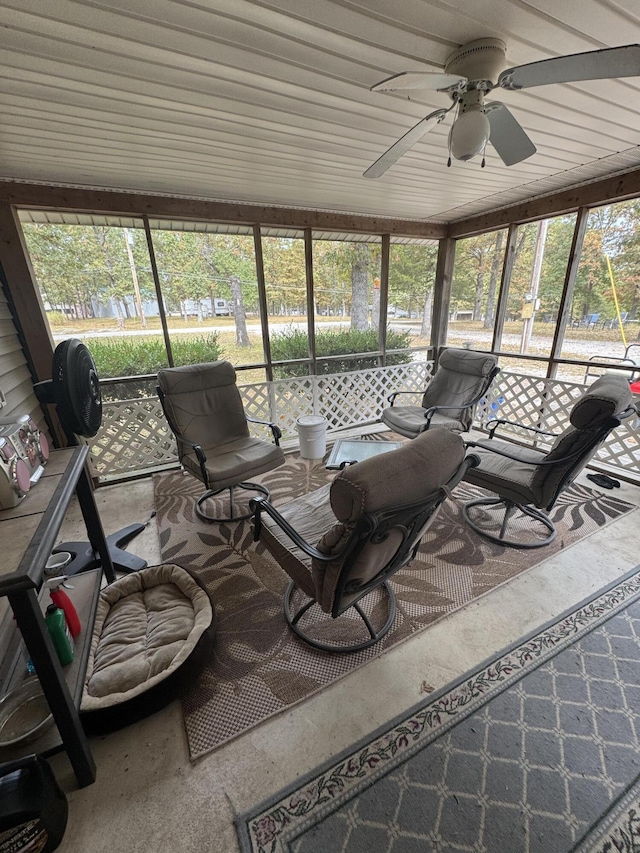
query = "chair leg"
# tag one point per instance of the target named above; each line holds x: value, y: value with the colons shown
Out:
x: 293, y: 621
x: 252, y: 487
x: 510, y: 507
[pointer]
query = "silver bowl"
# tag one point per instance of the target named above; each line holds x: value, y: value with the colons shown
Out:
x: 24, y: 714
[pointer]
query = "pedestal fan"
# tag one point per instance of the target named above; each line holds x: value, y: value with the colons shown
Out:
x: 74, y: 389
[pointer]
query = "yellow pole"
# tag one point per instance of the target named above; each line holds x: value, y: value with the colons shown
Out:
x: 615, y: 299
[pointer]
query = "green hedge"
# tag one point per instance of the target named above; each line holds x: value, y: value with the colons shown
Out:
x: 132, y: 356
x: 294, y: 344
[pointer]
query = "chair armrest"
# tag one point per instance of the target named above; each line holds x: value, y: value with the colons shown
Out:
x: 260, y: 505
x: 201, y: 456
x: 275, y: 429
x: 494, y: 426
x: 488, y: 446
x: 392, y: 397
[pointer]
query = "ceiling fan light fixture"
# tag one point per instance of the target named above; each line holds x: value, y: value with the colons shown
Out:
x: 469, y: 134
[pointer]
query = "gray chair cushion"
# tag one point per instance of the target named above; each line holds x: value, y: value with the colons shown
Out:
x: 310, y: 515
x: 203, y: 403
x: 460, y: 377
x: 539, y: 484
x: 235, y: 461
x: 511, y: 480
x: 410, y: 421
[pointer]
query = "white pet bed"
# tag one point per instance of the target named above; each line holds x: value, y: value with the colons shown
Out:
x: 153, y: 633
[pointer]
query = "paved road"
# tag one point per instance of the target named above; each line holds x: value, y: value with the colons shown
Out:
x: 540, y: 344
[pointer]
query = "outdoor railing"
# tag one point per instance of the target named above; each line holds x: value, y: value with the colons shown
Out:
x: 135, y: 439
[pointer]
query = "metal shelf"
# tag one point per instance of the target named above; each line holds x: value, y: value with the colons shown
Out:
x: 84, y: 595
x: 29, y: 531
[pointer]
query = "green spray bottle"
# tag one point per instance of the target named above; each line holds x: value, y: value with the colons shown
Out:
x: 57, y: 626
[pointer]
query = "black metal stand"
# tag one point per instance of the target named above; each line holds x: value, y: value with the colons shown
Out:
x: 85, y: 558
x: 293, y: 620
x: 251, y: 487
x: 24, y: 557
x: 510, y: 507
x: 31, y: 624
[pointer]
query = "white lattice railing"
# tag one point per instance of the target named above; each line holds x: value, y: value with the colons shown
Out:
x: 135, y: 438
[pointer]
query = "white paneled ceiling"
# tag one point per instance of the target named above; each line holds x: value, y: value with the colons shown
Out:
x: 269, y: 102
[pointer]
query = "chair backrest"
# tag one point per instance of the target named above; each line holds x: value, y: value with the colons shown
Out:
x: 202, y: 403
x: 383, y: 508
x: 462, y: 375
x: 592, y: 418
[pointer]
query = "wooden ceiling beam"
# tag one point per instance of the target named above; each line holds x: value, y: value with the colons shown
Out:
x: 604, y: 191
x: 40, y: 196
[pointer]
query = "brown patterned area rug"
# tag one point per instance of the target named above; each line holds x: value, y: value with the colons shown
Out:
x: 259, y: 667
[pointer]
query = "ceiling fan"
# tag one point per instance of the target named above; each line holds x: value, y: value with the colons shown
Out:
x: 469, y: 74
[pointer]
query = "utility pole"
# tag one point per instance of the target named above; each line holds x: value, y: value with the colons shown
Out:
x: 129, y: 239
x: 532, y: 296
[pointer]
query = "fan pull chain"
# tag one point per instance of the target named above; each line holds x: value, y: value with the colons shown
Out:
x: 449, y: 161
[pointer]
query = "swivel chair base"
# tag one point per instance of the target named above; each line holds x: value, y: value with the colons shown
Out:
x: 510, y: 507
x: 252, y: 487
x: 293, y: 620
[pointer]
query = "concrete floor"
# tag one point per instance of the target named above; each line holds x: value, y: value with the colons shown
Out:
x: 149, y: 797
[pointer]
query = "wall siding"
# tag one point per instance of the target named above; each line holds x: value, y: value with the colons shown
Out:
x: 15, y: 378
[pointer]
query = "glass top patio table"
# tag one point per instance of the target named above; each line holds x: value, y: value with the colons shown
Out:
x: 347, y: 451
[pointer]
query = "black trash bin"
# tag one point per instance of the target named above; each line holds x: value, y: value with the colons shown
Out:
x: 33, y: 808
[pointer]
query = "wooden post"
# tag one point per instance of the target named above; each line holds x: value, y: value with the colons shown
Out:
x: 384, y: 295
x: 311, y: 319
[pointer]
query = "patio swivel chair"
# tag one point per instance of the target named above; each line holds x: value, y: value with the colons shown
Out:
x: 463, y: 377
x: 203, y: 407
x: 341, y: 543
x: 530, y: 480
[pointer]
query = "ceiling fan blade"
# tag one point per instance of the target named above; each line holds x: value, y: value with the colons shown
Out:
x: 592, y: 65
x: 419, y: 80
x: 410, y: 138
x: 507, y: 136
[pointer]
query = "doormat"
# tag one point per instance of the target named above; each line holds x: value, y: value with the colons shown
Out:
x: 259, y: 666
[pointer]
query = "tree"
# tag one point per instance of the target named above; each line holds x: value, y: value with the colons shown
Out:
x: 231, y: 259
x: 412, y: 271
x: 475, y: 256
x: 284, y: 272
x: 62, y: 257
x: 360, y: 263
x: 182, y: 270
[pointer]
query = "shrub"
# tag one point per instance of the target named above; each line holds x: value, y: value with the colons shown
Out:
x: 294, y: 344
x: 56, y: 318
x: 135, y: 356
